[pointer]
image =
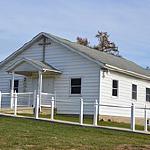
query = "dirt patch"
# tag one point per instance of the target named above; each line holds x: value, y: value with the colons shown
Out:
x: 132, y: 147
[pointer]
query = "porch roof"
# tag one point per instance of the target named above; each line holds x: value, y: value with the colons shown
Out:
x: 27, y: 66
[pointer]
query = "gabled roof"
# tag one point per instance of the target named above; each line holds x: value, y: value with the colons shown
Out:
x: 103, y: 59
x: 108, y: 60
x: 40, y: 66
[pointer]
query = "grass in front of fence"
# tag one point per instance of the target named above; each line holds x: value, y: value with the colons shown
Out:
x: 17, y: 133
x: 87, y: 120
x: 75, y: 118
x: 7, y: 111
x: 120, y: 125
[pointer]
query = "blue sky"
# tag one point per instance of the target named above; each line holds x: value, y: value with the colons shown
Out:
x: 127, y: 23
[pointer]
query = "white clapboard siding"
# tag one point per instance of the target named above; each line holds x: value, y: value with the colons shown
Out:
x: 71, y: 64
x: 125, y: 94
x: 34, y: 52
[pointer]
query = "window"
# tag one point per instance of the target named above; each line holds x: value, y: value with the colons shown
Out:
x: 76, y: 86
x: 16, y: 85
x: 114, y: 88
x: 134, y: 91
x: 148, y: 94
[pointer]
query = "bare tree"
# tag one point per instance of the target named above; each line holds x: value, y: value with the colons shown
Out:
x: 82, y: 41
x: 105, y: 45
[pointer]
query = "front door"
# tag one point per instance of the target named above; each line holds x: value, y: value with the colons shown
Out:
x: 47, y: 85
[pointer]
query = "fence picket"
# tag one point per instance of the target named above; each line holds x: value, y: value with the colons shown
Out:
x: 15, y: 103
x: 145, y: 119
x: 95, y: 113
x: 37, y: 108
x: 52, y: 108
x: 0, y: 99
x: 132, y: 117
x: 81, y: 111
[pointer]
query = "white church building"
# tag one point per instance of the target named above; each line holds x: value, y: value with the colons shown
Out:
x: 51, y: 64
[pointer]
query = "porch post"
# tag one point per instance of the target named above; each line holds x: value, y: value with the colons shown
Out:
x: 40, y: 88
x: 12, y: 90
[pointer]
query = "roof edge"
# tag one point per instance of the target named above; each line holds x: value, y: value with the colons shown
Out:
x: 134, y: 74
x: 8, y: 69
x: 22, y: 48
x: 31, y: 62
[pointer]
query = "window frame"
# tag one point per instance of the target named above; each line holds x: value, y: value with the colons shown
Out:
x: 135, y: 92
x: 70, y: 87
x: 147, y: 94
x: 114, y: 88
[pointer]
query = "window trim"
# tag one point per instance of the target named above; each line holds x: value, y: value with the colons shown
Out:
x: 115, y: 88
x: 74, y: 77
x: 147, y: 94
x: 134, y: 91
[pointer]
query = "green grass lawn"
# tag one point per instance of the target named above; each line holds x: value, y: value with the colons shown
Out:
x: 19, y: 134
x: 88, y: 120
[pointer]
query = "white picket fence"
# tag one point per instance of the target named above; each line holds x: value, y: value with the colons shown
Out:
x: 26, y: 99
x: 95, y: 117
x: 23, y: 99
x: 31, y: 99
x: 46, y: 99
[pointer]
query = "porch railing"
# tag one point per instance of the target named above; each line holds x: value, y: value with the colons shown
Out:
x: 46, y: 99
x: 26, y: 99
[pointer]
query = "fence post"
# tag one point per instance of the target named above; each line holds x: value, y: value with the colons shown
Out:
x: 0, y: 99
x: 12, y: 91
x: 34, y: 98
x: 15, y: 103
x: 95, y: 113
x: 81, y: 111
x: 55, y: 99
x: 145, y: 119
x: 11, y: 99
x: 132, y: 117
x: 37, y: 107
x: 52, y: 108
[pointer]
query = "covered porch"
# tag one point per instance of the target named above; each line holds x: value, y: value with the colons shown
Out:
x: 41, y: 72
